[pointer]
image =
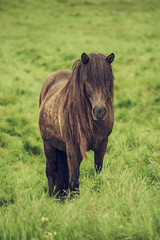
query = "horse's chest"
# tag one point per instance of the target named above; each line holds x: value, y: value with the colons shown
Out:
x: 100, y: 133
x: 96, y: 140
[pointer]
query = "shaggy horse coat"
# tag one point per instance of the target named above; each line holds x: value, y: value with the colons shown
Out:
x: 76, y: 115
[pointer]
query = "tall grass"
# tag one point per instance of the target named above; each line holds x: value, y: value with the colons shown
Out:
x: 40, y: 37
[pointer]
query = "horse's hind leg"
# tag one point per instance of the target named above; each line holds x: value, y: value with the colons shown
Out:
x: 65, y: 172
x: 62, y: 179
x: 50, y: 153
x: 74, y: 159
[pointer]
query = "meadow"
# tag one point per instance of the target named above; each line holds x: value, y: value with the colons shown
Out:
x: 39, y: 37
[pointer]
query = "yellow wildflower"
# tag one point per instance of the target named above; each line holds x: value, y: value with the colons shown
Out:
x: 106, y: 214
x: 44, y: 219
x: 55, y: 233
x: 48, y: 234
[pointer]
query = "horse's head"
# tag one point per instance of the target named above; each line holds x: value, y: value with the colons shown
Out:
x: 97, y: 100
x: 98, y: 83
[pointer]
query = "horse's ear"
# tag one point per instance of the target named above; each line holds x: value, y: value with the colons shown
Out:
x: 110, y: 58
x: 84, y: 58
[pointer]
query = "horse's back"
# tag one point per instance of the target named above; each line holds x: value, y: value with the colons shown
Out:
x: 55, y: 80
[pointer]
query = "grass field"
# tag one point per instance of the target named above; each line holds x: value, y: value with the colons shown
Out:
x: 39, y: 37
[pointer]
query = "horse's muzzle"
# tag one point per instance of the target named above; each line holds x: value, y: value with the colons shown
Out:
x: 99, y: 113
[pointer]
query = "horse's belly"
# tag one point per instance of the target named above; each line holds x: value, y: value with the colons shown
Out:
x: 49, y: 122
x: 53, y: 137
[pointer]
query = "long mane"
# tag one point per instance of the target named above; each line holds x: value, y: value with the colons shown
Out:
x: 77, y: 120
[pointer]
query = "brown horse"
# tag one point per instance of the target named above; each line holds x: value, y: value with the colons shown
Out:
x: 76, y: 115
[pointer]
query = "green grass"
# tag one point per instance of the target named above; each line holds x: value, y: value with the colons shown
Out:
x: 40, y: 37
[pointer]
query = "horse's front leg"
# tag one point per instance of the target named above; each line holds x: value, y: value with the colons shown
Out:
x: 99, y: 155
x: 74, y: 159
x: 50, y: 153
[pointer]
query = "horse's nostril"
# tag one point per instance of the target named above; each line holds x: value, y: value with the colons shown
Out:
x: 99, y: 113
x: 101, y: 110
x: 104, y: 110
